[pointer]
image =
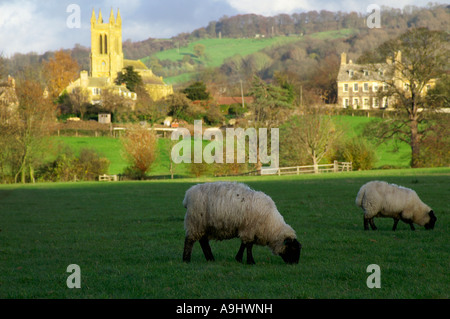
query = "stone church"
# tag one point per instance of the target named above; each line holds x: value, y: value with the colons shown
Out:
x: 107, y: 60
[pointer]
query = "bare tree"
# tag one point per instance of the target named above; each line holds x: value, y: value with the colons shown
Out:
x: 315, y: 133
x: 79, y: 99
x: 35, y: 121
x: 421, y: 57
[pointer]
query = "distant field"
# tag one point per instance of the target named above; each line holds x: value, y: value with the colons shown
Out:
x: 127, y: 238
x: 111, y: 148
x: 217, y: 50
x: 388, y: 155
x: 393, y: 154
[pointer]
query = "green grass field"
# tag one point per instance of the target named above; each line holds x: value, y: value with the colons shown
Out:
x: 217, y: 50
x: 393, y: 154
x: 127, y: 238
x: 389, y: 154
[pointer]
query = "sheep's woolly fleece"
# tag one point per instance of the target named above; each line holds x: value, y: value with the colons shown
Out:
x: 225, y: 210
x: 391, y: 200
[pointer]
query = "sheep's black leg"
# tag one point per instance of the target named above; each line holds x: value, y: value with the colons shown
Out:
x: 240, y: 253
x: 188, y: 244
x: 366, y: 223
x: 395, y: 224
x: 204, y: 242
x: 372, y: 224
x: 410, y: 222
x: 250, y: 260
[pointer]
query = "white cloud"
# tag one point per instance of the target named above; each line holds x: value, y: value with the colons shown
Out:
x: 269, y: 7
x: 274, y: 7
x: 26, y: 27
x: 35, y: 25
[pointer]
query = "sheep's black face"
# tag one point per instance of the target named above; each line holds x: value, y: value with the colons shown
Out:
x: 291, y: 254
x: 433, y: 218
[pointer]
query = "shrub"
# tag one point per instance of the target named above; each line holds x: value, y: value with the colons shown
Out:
x: 68, y: 167
x: 89, y: 165
x: 140, y: 150
x: 358, y: 151
x: 214, y: 116
x: 237, y: 110
x: 435, y: 146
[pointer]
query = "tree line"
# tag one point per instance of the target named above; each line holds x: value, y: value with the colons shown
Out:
x: 433, y: 16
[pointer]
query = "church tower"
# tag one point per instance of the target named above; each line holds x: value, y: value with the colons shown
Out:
x: 106, y: 46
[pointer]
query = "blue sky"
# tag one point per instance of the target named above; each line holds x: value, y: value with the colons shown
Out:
x: 39, y: 26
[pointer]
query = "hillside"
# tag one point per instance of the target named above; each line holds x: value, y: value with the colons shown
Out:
x: 181, y: 64
x: 186, y: 63
x: 312, y: 25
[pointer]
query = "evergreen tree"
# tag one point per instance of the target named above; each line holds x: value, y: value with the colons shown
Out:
x: 131, y: 78
x: 197, y: 91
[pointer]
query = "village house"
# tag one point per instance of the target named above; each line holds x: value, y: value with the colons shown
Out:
x: 361, y: 86
x: 8, y: 97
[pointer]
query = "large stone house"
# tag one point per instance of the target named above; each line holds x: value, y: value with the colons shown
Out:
x: 8, y: 97
x: 107, y: 60
x: 361, y: 86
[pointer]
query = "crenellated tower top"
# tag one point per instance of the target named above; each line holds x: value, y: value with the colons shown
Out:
x: 106, y: 46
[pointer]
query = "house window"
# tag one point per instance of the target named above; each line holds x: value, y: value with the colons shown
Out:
x: 366, y: 102
x: 350, y: 72
x: 96, y: 91
x: 366, y: 87
x: 375, y: 87
x: 355, y: 102
x: 376, y: 102
x: 385, y: 102
x: 346, y: 103
x: 355, y: 87
x: 366, y: 73
x: 346, y: 87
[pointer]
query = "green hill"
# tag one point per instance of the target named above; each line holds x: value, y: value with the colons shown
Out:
x: 218, y: 50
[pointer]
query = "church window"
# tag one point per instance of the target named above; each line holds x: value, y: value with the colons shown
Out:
x: 101, y: 44
x: 106, y: 44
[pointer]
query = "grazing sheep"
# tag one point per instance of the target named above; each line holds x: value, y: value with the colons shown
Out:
x: 225, y: 210
x: 380, y: 199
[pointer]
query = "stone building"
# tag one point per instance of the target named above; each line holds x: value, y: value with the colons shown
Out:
x: 8, y: 97
x: 107, y: 60
x: 361, y: 86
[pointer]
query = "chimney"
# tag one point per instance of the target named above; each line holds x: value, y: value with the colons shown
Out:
x: 84, y: 79
x: 343, y: 58
x: 398, y: 57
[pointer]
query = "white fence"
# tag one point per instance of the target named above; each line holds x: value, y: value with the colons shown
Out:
x: 297, y: 170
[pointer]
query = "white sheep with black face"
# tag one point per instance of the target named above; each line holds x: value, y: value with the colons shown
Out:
x: 380, y: 199
x: 225, y: 210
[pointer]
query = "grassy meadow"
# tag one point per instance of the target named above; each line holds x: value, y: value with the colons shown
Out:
x: 128, y: 240
x: 393, y: 154
x: 218, y: 50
